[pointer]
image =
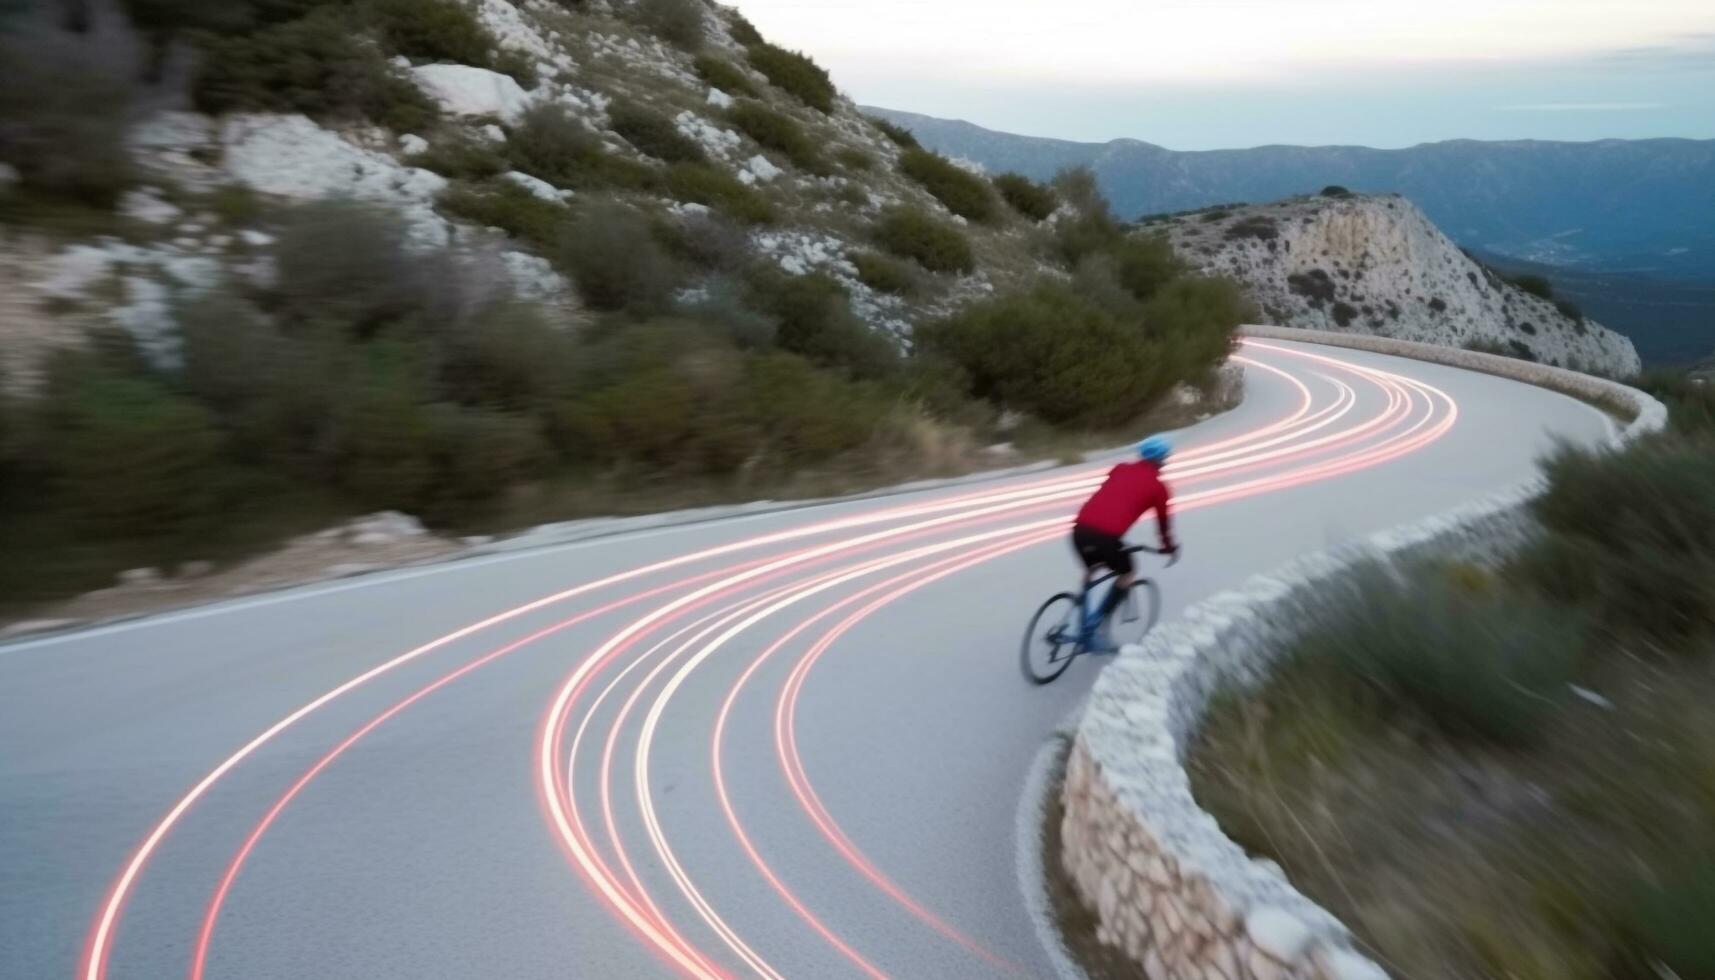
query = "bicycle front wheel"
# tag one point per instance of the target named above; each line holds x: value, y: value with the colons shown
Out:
x: 1137, y: 615
x: 1051, y: 639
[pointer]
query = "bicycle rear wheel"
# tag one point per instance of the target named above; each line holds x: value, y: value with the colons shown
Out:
x: 1051, y: 639
x: 1137, y: 615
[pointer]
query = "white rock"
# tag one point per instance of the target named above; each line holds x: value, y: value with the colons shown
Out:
x: 763, y: 168
x: 147, y: 205
x: 400, y: 61
x: 148, y: 318
x: 534, y: 278
x: 493, y: 133
x: 140, y: 576
x: 537, y: 187
x: 1278, y: 933
x: 411, y: 144
x: 199, y: 272
x: 1343, y: 964
x: 256, y: 239
x: 8, y: 176
x: 466, y: 91
x: 35, y: 626
x: 719, y: 99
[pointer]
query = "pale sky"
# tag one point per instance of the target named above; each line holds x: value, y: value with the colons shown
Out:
x: 1201, y: 74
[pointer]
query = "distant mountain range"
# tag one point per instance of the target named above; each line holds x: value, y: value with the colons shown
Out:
x: 1642, y: 207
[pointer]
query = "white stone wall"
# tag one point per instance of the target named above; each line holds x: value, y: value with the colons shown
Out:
x: 1168, y: 887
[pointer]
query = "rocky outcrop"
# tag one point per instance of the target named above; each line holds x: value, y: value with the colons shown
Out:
x: 1377, y: 265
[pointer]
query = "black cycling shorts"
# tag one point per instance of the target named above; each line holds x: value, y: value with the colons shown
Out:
x: 1100, y: 548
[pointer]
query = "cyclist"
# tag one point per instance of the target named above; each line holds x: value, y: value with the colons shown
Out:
x: 1130, y: 491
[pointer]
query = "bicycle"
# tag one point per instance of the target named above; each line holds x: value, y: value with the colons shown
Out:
x: 1065, y: 626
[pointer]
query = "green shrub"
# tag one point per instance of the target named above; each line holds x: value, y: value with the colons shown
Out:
x: 1145, y: 263
x: 794, y: 73
x: 1320, y: 289
x: 680, y: 22
x: 550, y: 143
x: 1666, y: 923
x: 852, y: 158
x: 1344, y: 313
x: 724, y: 75
x: 712, y: 186
x: 814, y: 319
x: 1027, y: 197
x: 1569, y: 310
x: 961, y: 191
x: 1632, y: 536
x: 780, y: 132
x: 319, y: 65
x: 743, y: 32
x: 347, y: 263
x: 433, y: 30
x: 616, y: 261
x: 64, y: 106
x: 125, y: 455
x: 912, y: 233
x: 1483, y: 665
x: 229, y: 350
x: 510, y: 357
x: 1257, y: 226
x: 901, y: 137
x: 457, y: 155
x: 1196, y: 319
x: 1690, y: 401
x: 1534, y: 285
x: 1051, y: 353
x: 882, y: 274
x: 505, y: 205
x: 1335, y: 190
x: 475, y: 455
x: 653, y: 134
x: 805, y: 415
x: 1094, y: 228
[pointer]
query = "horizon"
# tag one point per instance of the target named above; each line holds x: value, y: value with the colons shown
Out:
x: 1234, y: 74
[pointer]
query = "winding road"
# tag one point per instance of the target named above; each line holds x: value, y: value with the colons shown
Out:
x: 785, y: 745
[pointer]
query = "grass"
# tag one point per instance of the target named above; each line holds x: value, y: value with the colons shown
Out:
x: 1512, y: 773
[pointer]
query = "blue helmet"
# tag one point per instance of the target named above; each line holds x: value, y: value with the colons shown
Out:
x: 1155, y: 449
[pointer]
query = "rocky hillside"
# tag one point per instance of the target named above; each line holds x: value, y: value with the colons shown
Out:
x: 1375, y: 264
x: 1618, y: 205
x: 572, y: 102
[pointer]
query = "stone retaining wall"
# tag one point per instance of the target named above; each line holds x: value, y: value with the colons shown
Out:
x: 1167, y: 886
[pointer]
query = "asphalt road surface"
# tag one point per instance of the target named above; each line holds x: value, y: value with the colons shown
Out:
x: 781, y: 745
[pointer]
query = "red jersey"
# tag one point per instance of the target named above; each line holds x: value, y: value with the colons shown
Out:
x: 1130, y: 491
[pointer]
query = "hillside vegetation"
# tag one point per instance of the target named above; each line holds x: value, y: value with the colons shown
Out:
x: 494, y: 263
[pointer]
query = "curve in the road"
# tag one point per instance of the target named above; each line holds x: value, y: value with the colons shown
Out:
x: 1316, y: 440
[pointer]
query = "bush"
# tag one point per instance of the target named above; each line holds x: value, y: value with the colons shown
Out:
x: 550, y: 143
x: 724, y: 75
x: 505, y: 205
x: 680, y: 22
x: 653, y: 134
x: 912, y: 233
x: 1196, y: 319
x: 64, y: 106
x: 475, y: 455
x: 795, y: 74
x: 510, y: 357
x: 125, y: 455
x: 1534, y: 285
x: 777, y: 131
x: 1258, y: 226
x: 882, y: 274
x: 1633, y: 536
x: 1344, y: 313
x: 1335, y: 190
x: 433, y: 30
x: 852, y: 158
x: 347, y: 263
x: 1667, y: 923
x: 815, y: 320
x: 1094, y: 229
x: 961, y: 191
x: 1052, y: 354
x: 1690, y: 401
x: 615, y: 260
x: 1145, y: 263
x: 1478, y: 664
x: 458, y: 155
x: 711, y: 241
x: 742, y: 31
x: 1320, y: 289
x: 901, y: 137
x: 1027, y: 197
x: 718, y: 189
x: 1569, y: 310
x: 319, y: 65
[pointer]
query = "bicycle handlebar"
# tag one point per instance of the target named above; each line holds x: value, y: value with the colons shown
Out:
x: 1172, y: 556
